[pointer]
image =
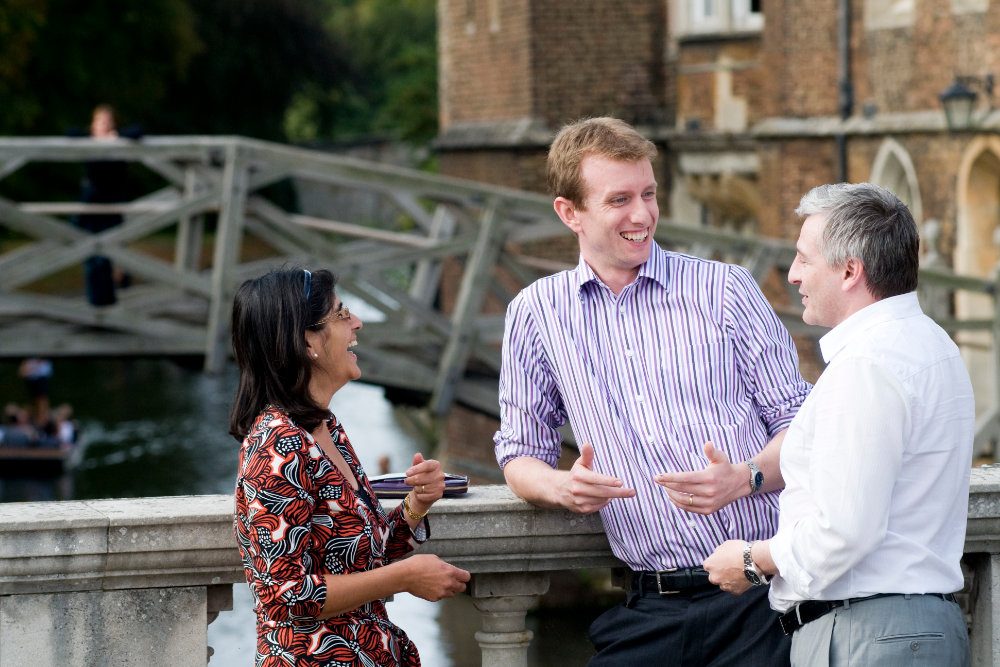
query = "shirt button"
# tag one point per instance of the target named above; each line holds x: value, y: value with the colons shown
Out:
x: 638, y: 397
x: 629, y: 353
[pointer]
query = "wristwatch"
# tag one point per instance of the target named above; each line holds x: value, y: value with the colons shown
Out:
x: 756, y: 477
x: 750, y: 569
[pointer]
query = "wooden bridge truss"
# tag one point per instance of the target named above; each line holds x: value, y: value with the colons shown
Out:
x: 438, y: 264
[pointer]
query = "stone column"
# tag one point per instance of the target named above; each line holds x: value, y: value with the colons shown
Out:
x: 985, y: 635
x: 503, y: 599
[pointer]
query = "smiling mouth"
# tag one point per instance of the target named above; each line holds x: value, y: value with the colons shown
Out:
x: 352, y: 344
x: 637, y: 237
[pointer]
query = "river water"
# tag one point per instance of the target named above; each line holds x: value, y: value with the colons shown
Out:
x: 154, y: 428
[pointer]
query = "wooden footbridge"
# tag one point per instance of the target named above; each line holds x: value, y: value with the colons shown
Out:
x: 437, y: 263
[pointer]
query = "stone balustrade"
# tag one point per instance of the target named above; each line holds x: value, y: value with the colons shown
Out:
x: 136, y: 581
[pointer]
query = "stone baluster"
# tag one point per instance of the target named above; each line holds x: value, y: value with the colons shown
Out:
x: 503, y: 599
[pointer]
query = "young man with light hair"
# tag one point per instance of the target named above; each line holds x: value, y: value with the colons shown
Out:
x: 661, y: 362
x: 876, y: 463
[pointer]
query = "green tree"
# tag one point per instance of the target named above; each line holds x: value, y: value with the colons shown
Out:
x: 61, y: 57
x: 388, y: 86
x: 304, y: 70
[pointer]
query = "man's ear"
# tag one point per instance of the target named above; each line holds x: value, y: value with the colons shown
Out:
x: 853, y: 275
x: 566, y: 210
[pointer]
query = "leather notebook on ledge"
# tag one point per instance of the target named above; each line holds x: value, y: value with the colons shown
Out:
x: 393, y: 486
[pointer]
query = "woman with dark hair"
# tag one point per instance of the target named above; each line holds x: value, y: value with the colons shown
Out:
x: 319, y: 551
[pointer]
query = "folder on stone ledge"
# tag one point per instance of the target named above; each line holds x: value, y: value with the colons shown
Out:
x: 394, y: 486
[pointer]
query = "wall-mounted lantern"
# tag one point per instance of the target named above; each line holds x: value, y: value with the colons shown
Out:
x: 959, y: 100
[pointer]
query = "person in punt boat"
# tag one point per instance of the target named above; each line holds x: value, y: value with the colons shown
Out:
x: 320, y: 552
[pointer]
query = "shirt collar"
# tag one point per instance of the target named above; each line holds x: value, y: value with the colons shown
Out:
x: 656, y: 268
x: 854, y: 327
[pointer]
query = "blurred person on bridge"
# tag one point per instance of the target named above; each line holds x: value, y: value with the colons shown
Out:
x: 661, y: 362
x: 320, y: 552
x: 877, y: 461
x: 104, y: 182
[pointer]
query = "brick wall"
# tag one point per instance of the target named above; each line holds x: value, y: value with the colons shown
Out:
x: 787, y: 171
x: 799, y: 58
x: 521, y: 169
x: 599, y: 58
x: 554, y: 60
x: 485, y: 52
x: 699, y: 64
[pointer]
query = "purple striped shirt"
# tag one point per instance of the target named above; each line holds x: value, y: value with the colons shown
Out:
x: 690, y: 351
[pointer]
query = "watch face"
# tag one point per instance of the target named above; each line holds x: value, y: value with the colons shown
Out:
x: 753, y: 577
x: 758, y: 479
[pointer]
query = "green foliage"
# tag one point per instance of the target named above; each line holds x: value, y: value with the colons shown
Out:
x: 64, y: 56
x: 301, y: 70
x: 21, y: 21
x: 389, y: 86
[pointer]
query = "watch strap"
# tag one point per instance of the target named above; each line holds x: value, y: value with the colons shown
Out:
x: 750, y: 569
x: 756, y: 476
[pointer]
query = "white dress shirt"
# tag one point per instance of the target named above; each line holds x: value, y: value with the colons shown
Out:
x: 876, y: 463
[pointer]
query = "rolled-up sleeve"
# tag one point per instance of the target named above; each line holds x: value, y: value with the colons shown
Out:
x: 531, y: 408
x: 766, y: 356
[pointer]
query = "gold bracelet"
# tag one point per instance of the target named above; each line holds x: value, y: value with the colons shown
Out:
x: 414, y: 516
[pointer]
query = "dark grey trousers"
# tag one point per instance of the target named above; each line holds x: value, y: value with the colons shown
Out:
x: 708, y: 628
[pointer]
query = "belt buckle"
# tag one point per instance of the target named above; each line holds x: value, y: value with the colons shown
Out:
x: 659, y: 582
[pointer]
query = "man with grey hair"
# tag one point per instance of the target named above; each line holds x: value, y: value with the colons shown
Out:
x: 876, y: 462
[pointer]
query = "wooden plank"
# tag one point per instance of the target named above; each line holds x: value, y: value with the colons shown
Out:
x: 69, y: 208
x: 73, y: 311
x: 478, y: 273
x: 409, y: 204
x: 416, y: 311
x: 427, y: 274
x: 361, y: 231
x: 228, y: 241
x: 36, y: 225
x: 190, y: 229
x: 172, y: 173
x: 8, y: 167
x: 26, y: 339
x: 280, y: 229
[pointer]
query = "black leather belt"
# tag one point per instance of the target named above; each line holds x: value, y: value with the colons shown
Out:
x: 670, y: 582
x: 810, y: 610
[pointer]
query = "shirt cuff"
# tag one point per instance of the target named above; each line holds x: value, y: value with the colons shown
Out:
x: 781, y: 553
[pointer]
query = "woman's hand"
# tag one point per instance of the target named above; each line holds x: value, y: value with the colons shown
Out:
x: 427, y: 480
x: 431, y: 578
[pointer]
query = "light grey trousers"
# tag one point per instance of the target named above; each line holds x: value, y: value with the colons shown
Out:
x: 885, y: 632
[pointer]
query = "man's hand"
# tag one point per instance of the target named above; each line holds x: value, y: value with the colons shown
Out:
x: 585, y: 491
x: 706, y: 491
x: 725, y: 567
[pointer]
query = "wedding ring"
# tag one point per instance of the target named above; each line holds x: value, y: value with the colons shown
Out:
x: 421, y: 488
x: 690, y: 499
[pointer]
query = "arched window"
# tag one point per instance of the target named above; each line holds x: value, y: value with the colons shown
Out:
x: 893, y: 169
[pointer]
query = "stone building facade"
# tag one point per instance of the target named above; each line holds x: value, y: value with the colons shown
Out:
x: 743, y: 97
x: 750, y: 102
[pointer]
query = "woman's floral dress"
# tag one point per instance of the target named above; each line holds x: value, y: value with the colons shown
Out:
x: 297, y: 519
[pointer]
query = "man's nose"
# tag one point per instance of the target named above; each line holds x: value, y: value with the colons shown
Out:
x: 793, y: 274
x: 641, y: 212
